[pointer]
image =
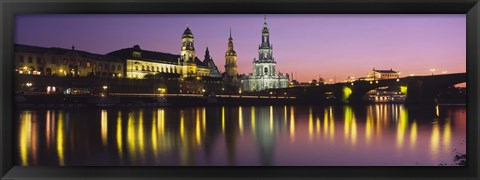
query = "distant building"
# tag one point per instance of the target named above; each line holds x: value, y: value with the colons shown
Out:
x: 65, y: 62
x: 382, y: 74
x: 264, y: 75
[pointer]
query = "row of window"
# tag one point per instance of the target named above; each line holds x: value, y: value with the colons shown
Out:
x: 157, y: 69
x: 80, y: 63
x: 29, y: 60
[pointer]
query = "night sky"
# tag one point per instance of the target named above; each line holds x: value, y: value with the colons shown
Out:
x: 308, y: 45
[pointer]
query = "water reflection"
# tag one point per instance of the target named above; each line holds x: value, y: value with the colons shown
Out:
x: 242, y: 135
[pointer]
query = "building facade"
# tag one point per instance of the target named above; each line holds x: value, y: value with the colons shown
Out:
x: 141, y: 63
x: 264, y: 75
x: 376, y: 74
x: 36, y: 60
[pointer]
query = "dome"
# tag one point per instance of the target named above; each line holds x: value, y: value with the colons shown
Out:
x: 187, y: 33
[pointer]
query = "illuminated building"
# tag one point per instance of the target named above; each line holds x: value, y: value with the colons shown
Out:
x: 264, y: 75
x: 140, y: 63
x: 64, y: 62
x: 382, y: 74
x: 230, y: 75
x: 384, y: 94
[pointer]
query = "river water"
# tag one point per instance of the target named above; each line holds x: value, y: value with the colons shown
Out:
x: 373, y: 135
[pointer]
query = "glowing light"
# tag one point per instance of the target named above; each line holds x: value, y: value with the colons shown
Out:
x: 25, y: 136
x: 346, y: 94
x: 105, y: 87
x: 271, y: 118
x: 401, y: 127
x: 403, y: 89
x: 104, y: 127
x: 60, y: 141
x: 131, y: 137
x: 310, y: 124
x: 182, y: 125
x: 435, y: 140
x: 240, y: 119
x: 413, y: 135
x: 223, y: 119
x: 292, y: 124
x: 140, y: 135
x: 253, y: 118
x: 119, y: 134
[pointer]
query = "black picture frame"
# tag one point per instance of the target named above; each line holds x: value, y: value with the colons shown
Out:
x: 9, y: 8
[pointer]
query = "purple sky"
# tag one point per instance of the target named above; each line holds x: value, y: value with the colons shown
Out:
x: 308, y: 45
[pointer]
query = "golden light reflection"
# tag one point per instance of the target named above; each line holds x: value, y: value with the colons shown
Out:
x: 447, y: 133
x: 155, y: 135
x: 119, y: 134
x: 198, y: 135
x: 131, y: 136
x: 331, y: 124
x: 350, y: 126
x: 435, y: 140
x: 182, y: 125
x: 271, y: 118
x: 401, y: 126
x: 318, y: 126
x: 325, y: 122
x: 223, y: 119
x: 292, y: 124
x: 310, y: 124
x: 253, y: 118
x: 25, y: 134
x: 285, y: 115
x: 104, y: 126
x: 48, y: 127
x: 204, y: 119
x: 369, y: 126
x: 161, y: 121
x: 60, y: 140
x: 413, y: 134
x: 141, y: 135
x: 240, y: 119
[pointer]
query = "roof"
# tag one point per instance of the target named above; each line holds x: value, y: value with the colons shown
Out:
x: 187, y: 33
x: 385, y: 71
x: 153, y: 56
x: 61, y: 51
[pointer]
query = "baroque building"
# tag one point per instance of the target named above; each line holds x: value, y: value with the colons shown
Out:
x: 230, y: 77
x: 264, y: 75
x: 139, y: 63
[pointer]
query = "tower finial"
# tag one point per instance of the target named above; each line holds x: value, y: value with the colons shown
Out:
x: 265, y: 19
x: 230, y: 32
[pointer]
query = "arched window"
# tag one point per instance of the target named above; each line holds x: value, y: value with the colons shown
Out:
x: 266, y: 70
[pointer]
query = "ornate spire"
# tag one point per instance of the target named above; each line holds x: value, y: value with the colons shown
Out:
x: 230, y: 39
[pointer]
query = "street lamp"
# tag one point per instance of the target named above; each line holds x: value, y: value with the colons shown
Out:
x: 105, y: 87
x: 432, y: 70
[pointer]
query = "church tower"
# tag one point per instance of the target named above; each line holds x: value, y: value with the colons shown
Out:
x: 187, y: 54
x: 264, y: 75
x: 265, y: 65
x: 231, y: 60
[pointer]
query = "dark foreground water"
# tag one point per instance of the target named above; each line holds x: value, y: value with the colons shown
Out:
x: 379, y: 135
